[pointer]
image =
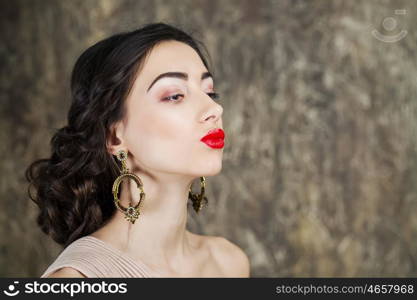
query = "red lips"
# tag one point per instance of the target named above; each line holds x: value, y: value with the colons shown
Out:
x: 214, y: 138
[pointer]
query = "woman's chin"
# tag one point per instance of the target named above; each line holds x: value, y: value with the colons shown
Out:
x: 213, y: 169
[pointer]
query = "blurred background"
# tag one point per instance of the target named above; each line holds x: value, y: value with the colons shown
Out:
x: 320, y: 110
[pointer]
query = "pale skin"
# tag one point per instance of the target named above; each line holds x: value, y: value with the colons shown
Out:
x: 162, y: 139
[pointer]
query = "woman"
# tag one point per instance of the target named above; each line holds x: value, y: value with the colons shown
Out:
x: 144, y: 123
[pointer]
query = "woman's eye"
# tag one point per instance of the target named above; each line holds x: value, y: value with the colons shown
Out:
x: 214, y: 95
x: 174, y: 97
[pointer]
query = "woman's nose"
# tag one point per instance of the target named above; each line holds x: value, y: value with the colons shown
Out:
x: 214, y: 111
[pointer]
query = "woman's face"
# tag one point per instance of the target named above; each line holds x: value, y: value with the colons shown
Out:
x: 166, y: 118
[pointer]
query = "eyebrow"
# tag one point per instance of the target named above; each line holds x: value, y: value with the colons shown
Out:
x: 181, y: 75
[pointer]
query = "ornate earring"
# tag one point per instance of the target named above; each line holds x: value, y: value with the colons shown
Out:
x: 198, y: 200
x: 131, y: 212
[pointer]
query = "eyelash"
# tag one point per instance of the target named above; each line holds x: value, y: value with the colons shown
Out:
x: 215, y: 96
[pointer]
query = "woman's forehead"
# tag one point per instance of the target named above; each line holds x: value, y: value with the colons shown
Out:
x: 171, y: 56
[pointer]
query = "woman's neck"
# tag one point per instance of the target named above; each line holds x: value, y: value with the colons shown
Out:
x: 159, y: 235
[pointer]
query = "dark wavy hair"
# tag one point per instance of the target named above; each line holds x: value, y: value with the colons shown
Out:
x: 73, y: 186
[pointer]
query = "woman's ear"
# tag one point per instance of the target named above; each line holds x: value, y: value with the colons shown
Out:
x: 115, y: 139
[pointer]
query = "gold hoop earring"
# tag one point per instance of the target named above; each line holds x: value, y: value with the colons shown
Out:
x: 131, y: 212
x: 199, y: 200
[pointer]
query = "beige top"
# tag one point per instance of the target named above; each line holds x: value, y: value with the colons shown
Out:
x: 95, y: 258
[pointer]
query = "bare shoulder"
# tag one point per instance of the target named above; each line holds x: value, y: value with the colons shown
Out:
x: 66, y: 272
x: 234, y: 260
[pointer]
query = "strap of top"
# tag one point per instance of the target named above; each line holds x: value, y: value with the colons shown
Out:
x: 94, y: 258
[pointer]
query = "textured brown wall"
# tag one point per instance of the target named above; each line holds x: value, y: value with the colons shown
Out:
x: 320, y: 166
